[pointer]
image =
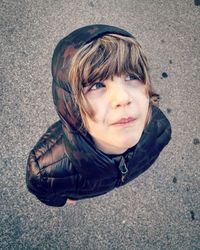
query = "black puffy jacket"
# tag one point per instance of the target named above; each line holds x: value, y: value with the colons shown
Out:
x: 55, y: 171
x: 65, y: 163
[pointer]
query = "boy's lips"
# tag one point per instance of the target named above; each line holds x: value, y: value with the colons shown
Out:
x: 124, y: 121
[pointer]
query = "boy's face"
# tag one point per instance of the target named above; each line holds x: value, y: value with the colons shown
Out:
x: 121, y: 107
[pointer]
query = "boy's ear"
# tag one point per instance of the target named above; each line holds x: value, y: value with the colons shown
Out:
x: 154, y: 99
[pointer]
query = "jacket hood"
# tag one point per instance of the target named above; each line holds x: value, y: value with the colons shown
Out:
x: 62, y: 56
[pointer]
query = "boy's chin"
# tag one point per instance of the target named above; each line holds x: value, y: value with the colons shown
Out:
x: 118, y: 146
x: 123, y: 146
x: 130, y: 142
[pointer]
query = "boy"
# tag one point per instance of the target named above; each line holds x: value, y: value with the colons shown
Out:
x: 109, y: 130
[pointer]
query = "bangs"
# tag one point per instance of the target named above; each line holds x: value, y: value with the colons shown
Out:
x: 108, y: 56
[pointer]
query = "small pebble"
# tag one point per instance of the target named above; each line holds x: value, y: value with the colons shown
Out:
x: 174, y: 180
x: 91, y: 4
x: 169, y: 110
x: 192, y: 215
x: 197, y: 2
x: 164, y: 75
x: 196, y: 141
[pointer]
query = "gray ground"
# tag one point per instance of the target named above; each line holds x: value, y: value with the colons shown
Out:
x: 161, y: 208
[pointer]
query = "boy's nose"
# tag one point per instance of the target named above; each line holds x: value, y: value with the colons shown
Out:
x: 119, y: 93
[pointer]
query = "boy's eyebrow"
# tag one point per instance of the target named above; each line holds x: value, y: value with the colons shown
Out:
x: 88, y: 84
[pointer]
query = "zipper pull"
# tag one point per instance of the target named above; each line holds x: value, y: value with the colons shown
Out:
x: 123, y: 169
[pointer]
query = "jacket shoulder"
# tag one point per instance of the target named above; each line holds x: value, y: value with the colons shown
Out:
x: 50, y: 149
x: 48, y: 166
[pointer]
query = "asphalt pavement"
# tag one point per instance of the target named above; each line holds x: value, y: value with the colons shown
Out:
x: 160, y: 209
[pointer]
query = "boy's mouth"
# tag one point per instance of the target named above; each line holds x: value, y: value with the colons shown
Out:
x: 124, y: 121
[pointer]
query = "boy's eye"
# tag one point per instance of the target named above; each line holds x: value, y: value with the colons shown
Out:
x: 97, y: 85
x: 131, y: 77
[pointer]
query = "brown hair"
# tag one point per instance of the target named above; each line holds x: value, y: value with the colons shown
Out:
x: 103, y: 58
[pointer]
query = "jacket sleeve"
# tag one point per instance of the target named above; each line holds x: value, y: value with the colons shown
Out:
x: 48, y: 166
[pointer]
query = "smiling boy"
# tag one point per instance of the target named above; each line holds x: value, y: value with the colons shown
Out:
x: 109, y: 130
